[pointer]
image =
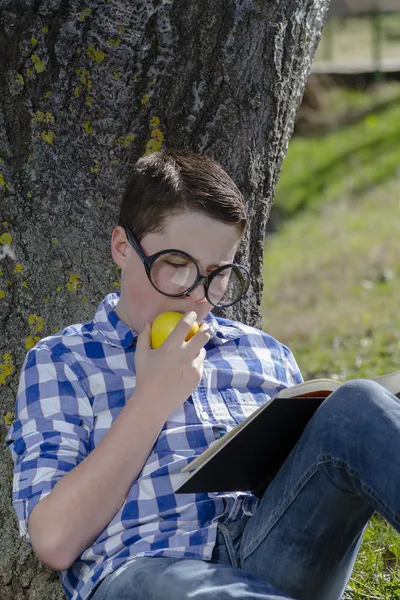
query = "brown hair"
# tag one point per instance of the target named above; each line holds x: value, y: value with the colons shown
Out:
x: 170, y: 182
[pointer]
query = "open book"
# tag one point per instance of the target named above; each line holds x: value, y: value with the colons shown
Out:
x: 249, y: 456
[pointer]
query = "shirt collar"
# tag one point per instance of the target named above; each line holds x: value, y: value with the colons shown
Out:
x: 108, y: 323
x: 118, y: 333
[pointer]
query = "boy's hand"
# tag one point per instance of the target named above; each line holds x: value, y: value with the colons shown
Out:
x: 168, y: 375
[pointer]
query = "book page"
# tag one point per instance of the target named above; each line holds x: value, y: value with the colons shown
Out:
x: 320, y: 387
x: 391, y: 382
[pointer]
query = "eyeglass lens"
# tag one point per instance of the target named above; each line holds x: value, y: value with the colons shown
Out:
x: 175, y: 273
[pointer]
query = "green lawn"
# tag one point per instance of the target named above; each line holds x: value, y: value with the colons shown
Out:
x: 345, y: 164
x: 332, y: 281
x: 332, y: 284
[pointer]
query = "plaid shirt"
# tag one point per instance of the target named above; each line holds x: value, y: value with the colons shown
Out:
x: 74, y: 384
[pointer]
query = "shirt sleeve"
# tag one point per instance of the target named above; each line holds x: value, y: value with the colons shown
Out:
x: 51, y: 431
x: 293, y: 373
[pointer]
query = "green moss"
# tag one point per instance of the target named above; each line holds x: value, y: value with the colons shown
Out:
x: 85, y: 13
x: 95, y: 55
x: 38, y: 63
x: 48, y: 136
x: 41, y: 117
x: 125, y: 140
x: 85, y: 77
x: 95, y: 168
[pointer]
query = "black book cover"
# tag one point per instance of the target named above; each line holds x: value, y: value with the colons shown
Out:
x: 251, y: 459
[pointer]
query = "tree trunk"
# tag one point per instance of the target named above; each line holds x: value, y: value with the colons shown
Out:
x: 85, y: 89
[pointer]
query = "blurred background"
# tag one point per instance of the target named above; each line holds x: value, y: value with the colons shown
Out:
x: 332, y: 268
x: 331, y: 278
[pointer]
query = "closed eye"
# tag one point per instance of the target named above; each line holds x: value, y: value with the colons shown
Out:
x: 176, y: 264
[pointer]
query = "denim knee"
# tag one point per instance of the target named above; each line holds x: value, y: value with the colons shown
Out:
x: 357, y: 397
x: 353, y: 412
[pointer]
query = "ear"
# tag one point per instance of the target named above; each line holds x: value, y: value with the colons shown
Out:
x: 119, y: 246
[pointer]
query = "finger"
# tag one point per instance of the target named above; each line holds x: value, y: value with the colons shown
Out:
x: 143, y: 340
x: 202, y: 354
x: 204, y: 327
x: 199, y: 340
x: 180, y: 332
x: 199, y: 360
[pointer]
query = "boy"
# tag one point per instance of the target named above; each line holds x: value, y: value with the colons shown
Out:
x: 105, y: 424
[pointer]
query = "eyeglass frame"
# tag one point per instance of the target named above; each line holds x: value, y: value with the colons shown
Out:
x: 200, y: 280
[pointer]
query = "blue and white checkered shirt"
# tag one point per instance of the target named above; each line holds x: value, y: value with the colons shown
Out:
x: 74, y: 384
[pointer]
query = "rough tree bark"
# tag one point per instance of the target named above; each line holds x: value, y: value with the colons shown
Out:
x: 86, y: 87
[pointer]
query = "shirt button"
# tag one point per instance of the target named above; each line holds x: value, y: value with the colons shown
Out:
x: 205, y: 416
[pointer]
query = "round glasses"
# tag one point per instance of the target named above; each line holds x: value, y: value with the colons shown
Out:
x: 175, y: 273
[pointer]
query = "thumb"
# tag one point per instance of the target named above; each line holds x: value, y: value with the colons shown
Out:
x: 143, y: 341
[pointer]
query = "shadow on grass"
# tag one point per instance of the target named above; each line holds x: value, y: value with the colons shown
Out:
x: 323, y: 124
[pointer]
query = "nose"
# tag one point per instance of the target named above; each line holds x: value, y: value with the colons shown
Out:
x: 199, y: 293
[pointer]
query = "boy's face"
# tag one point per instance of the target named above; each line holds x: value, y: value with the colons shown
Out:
x: 210, y: 242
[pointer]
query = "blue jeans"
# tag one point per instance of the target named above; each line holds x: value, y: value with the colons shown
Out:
x: 303, y: 539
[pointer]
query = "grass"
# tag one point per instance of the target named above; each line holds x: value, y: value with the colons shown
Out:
x: 356, y: 100
x: 328, y: 108
x: 334, y: 275
x: 347, y: 163
x: 332, y: 283
x: 376, y: 574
